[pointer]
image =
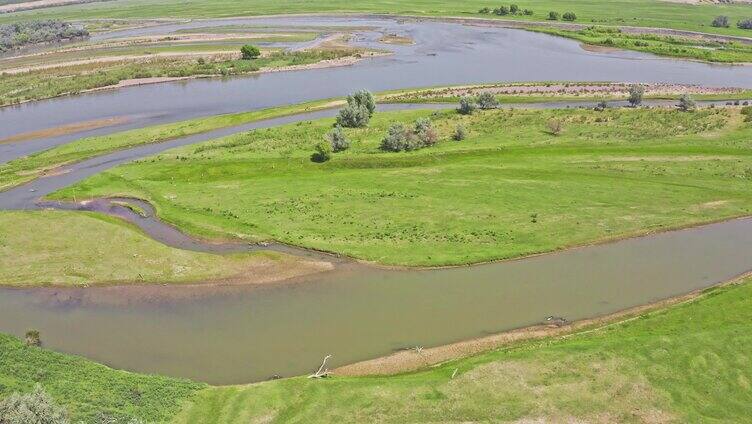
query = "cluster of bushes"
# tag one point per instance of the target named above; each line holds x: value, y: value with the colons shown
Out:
x: 400, y: 138
x: 723, y: 22
x: 747, y: 112
x: 360, y: 108
x: 23, y: 33
x: 567, y: 16
x: 468, y: 104
x: 512, y: 9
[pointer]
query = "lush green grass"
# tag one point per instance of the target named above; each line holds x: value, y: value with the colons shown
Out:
x: 653, y: 13
x: 689, y: 363
x: 53, y: 82
x: 30, y: 167
x: 710, y: 51
x: 510, y: 189
x: 65, y: 248
x: 90, y: 391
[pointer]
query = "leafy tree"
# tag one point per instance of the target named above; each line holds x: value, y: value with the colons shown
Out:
x: 514, y: 9
x: 323, y: 152
x: 36, y: 407
x: 467, y: 105
x: 635, y: 94
x: 460, y: 133
x: 363, y: 98
x: 250, y: 52
x: 569, y: 16
x: 487, y: 101
x: 686, y: 103
x: 720, y: 22
x: 337, y: 139
x: 553, y: 16
x: 352, y: 116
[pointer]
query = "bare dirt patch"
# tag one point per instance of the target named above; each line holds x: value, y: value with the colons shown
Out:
x: 65, y: 129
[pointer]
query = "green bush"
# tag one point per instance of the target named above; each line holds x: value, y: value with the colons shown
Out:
x: 553, y: 16
x: 720, y: 22
x: 686, y: 103
x: 501, y: 11
x: 460, y: 133
x: 36, y: 407
x: 337, y: 139
x: 323, y: 152
x: 569, y: 16
x: 635, y: 94
x: 467, y: 105
x: 249, y: 52
x: 487, y: 101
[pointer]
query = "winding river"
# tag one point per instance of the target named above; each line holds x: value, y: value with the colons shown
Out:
x: 239, y: 334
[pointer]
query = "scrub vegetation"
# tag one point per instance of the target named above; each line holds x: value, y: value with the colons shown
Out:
x: 57, y: 81
x: 20, y: 34
x: 66, y: 249
x: 687, y: 363
x: 663, y: 45
x: 601, y: 175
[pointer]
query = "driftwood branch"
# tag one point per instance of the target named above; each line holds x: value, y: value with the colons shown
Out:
x: 322, y: 371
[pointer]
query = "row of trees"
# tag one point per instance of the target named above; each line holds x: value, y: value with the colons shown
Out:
x: 512, y: 9
x: 19, y: 34
x: 724, y: 22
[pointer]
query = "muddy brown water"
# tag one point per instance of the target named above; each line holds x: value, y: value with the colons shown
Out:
x: 239, y: 334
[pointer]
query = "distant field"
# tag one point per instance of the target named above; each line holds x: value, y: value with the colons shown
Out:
x: 510, y: 189
x: 651, y: 13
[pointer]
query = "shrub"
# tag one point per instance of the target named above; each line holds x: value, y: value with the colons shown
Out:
x: 569, y: 16
x: 601, y: 106
x: 484, y: 11
x: 744, y: 24
x: 460, y: 133
x: 635, y: 94
x: 487, y: 101
x: 36, y: 407
x: 467, y: 105
x: 323, y: 153
x: 553, y: 16
x: 249, y: 52
x: 720, y: 22
x: 527, y: 12
x: 353, y: 116
x: 555, y: 126
x: 396, y: 139
x: 514, y: 9
x: 686, y: 103
x: 425, y: 132
x: 501, y: 10
x: 337, y: 139
x: 747, y: 112
x: 32, y: 338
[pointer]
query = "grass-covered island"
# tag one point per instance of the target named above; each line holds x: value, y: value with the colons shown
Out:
x: 513, y: 183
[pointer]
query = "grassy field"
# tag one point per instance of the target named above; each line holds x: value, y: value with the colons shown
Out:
x: 53, y: 82
x: 652, y: 13
x: 30, y: 167
x: 689, y: 363
x: 65, y: 249
x: 673, y: 46
x: 511, y: 188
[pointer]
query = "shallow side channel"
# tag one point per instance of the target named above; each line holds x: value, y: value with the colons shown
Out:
x: 242, y: 334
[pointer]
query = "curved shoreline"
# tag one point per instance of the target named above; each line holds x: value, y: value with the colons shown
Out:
x: 415, y: 360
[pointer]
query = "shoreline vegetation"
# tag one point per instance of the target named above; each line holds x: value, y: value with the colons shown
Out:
x: 618, y: 352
